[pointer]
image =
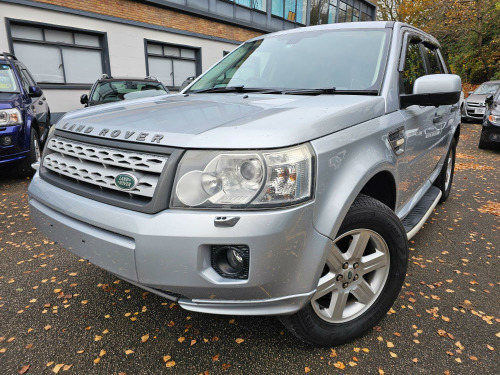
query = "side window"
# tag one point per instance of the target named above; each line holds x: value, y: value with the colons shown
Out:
x: 28, y: 75
x: 435, y: 66
x: 24, y: 80
x: 414, y: 67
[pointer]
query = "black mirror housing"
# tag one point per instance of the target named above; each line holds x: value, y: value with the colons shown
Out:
x: 84, y: 99
x: 35, y: 91
x: 427, y: 100
x: 489, y: 99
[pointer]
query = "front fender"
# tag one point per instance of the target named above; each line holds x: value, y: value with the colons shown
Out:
x: 347, y: 160
x: 29, y: 123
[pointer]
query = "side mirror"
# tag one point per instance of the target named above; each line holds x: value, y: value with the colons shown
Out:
x: 470, y: 93
x: 434, y: 90
x: 186, y: 83
x: 489, y: 100
x: 34, y: 92
x: 84, y: 99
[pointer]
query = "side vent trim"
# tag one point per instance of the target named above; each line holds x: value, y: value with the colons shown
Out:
x: 397, y: 140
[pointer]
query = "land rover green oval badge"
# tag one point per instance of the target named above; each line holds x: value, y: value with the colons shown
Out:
x: 126, y: 181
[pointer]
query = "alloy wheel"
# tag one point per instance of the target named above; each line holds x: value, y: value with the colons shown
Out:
x: 353, y: 277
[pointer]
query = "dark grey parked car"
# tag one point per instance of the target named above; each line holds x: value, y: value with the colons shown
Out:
x: 474, y: 106
x: 490, y: 132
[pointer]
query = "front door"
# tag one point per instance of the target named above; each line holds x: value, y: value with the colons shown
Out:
x: 421, y: 127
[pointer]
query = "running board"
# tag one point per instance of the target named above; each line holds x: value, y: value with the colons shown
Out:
x: 417, y: 217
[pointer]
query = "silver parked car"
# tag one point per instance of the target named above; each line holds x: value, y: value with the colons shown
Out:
x: 286, y: 180
x: 474, y: 106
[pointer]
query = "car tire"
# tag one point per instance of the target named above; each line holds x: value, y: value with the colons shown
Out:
x: 445, y: 178
x: 483, y: 144
x: 381, y: 266
x: 34, y: 155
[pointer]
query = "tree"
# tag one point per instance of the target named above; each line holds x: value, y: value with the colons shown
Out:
x: 469, y: 31
x: 388, y: 10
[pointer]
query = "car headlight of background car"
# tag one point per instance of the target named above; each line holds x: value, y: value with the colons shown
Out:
x: 494, y: 119
x: 10, y: 116
x: 238, y: 179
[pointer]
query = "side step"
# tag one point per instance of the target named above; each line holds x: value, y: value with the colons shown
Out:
x: 421, y: 212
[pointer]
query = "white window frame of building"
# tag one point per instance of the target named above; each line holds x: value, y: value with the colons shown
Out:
x: 59, y: 56
x: 171, y: 55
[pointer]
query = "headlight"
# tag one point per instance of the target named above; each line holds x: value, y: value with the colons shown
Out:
x: 494, y: 119
x: 211, y: 179
x: 10, y: 117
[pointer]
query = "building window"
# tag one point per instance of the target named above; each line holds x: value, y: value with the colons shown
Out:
x: 254, y: 4
x: 291, y: 10
x: 172, y: 64
x: 59, y: 55
x: 354, y: 11
x: 323, y: 12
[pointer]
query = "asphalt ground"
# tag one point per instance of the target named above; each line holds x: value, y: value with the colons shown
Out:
x: 61, y: 314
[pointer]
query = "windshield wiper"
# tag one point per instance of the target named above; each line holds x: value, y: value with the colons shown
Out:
x: 238, y: 89
x: 329, y: 91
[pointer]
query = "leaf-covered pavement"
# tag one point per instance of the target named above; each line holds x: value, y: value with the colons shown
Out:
x: 62, y: 315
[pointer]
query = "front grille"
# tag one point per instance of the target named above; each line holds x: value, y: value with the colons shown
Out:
x: 99, y: 165
x: 470, y: 104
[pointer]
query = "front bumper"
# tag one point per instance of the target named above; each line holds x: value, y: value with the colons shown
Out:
x: 490, y: 132
x: 13, y: 151
x: 168, y: 253
x: 469, y: 112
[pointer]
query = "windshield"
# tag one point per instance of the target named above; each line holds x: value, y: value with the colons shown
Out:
x: 341, y: 59
x: 113, y: 91
x: 8, y: 82
x: 487, y: 89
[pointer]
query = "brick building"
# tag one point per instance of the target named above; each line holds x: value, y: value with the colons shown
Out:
x: 68, y: 44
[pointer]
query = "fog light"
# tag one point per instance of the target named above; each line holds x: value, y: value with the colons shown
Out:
x: 6, y: 140
x: 231, y: 261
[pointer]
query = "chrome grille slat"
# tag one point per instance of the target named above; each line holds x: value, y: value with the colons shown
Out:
x: 109, y: 156
x: 99, y: 166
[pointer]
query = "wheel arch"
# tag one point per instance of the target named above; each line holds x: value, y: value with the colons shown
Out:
x: 382, y: 187
x: 456, y: 135
x: 31, y: 123
x: 357, y: 177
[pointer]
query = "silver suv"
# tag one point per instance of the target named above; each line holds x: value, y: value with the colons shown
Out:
x: 286, y: 180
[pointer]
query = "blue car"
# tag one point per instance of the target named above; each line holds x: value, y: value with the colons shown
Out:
x: 24, y: 116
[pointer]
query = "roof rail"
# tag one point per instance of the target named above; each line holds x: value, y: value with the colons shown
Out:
x: 9, y: 55
x: 151, y: 77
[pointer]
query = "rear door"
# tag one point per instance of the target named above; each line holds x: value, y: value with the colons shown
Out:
x: 421, y: 131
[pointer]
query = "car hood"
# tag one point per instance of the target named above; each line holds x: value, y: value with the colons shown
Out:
x: 474, y: 98
x: 9, y: 100
x: 224, y: 121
